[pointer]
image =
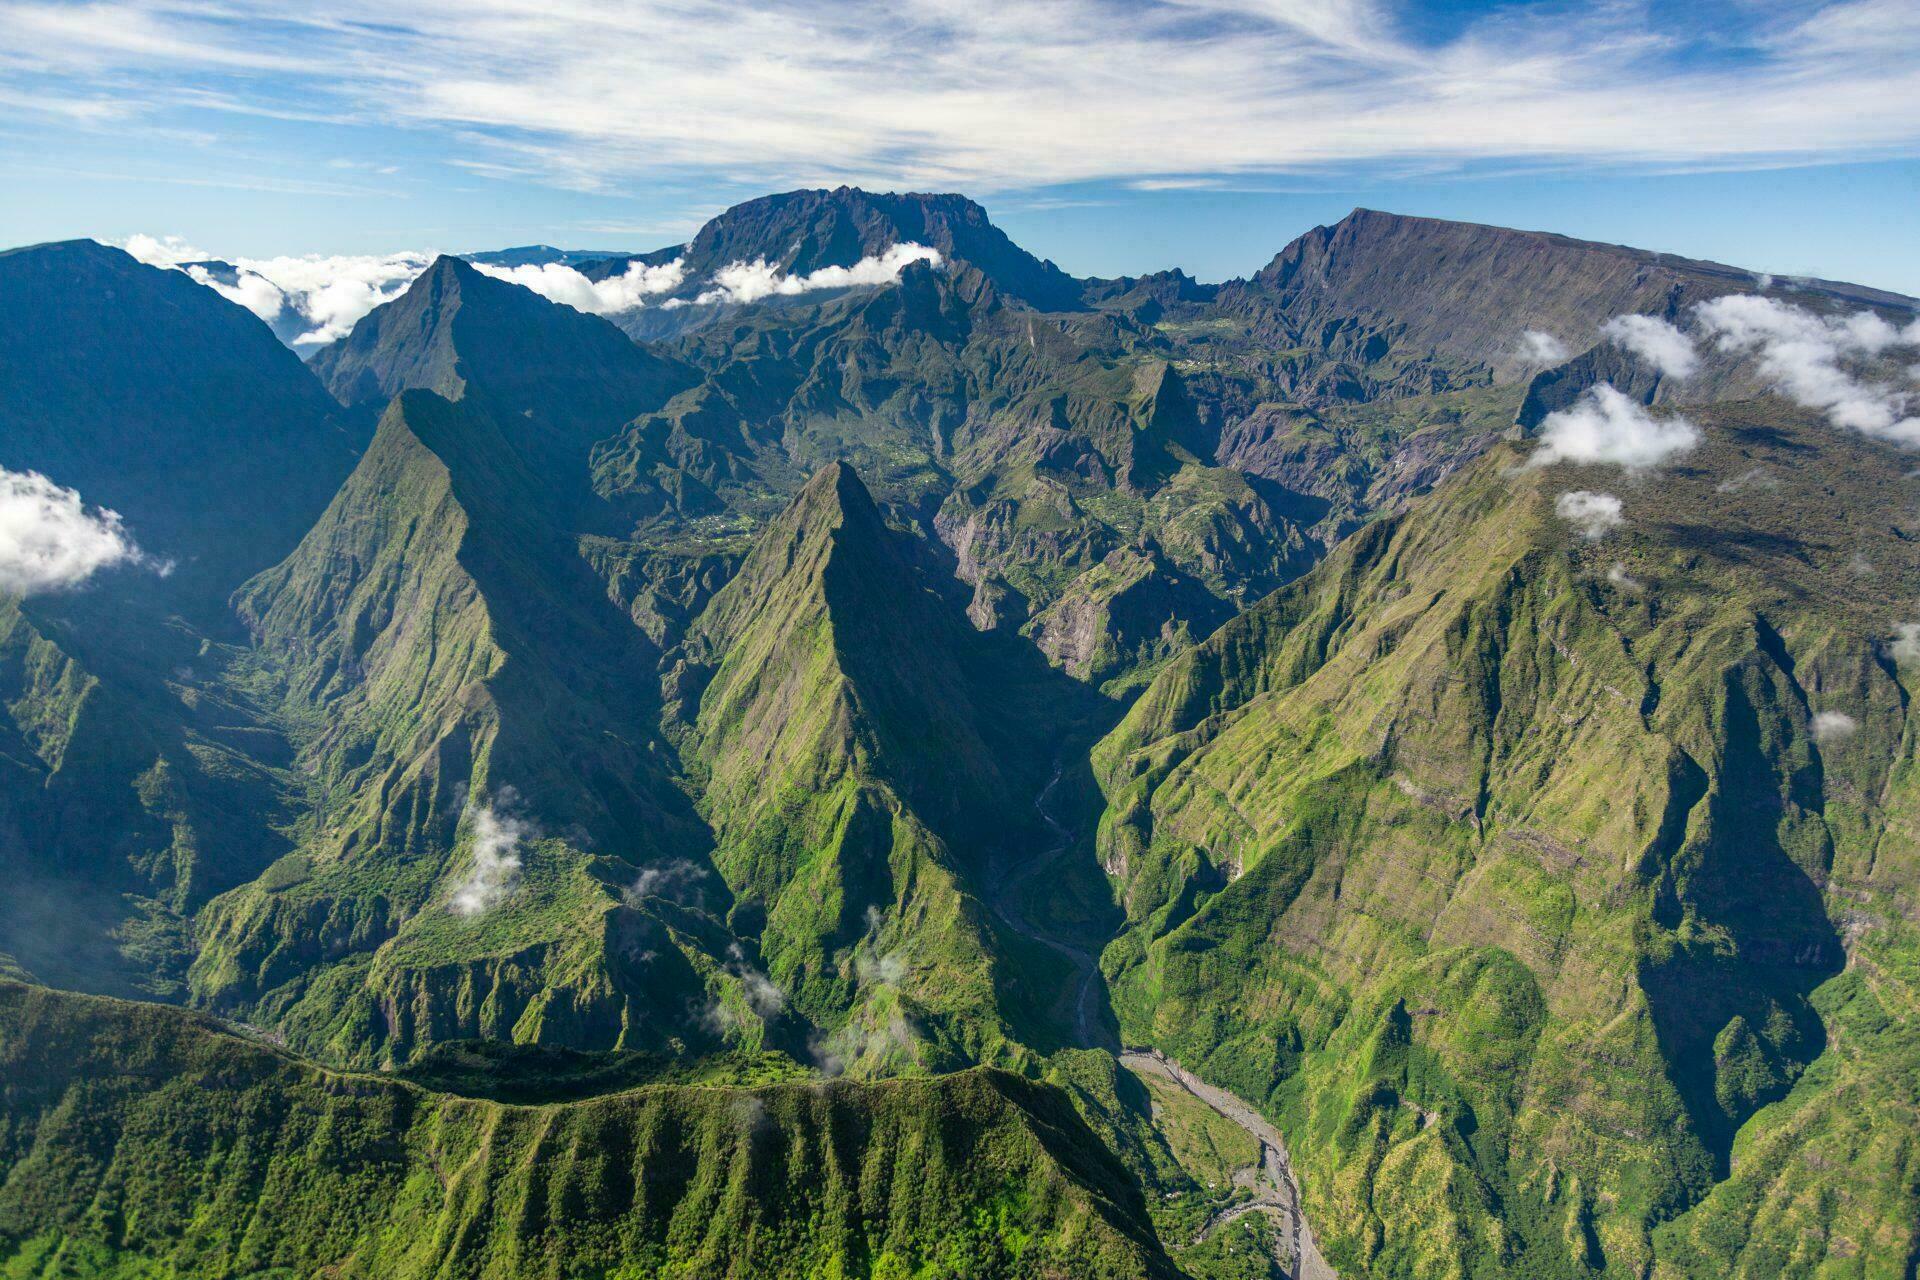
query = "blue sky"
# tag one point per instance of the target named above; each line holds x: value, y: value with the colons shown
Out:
x: 1111, y: 135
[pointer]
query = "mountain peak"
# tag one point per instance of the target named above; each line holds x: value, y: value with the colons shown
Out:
x: 837, y: 485
x: 800, y: 232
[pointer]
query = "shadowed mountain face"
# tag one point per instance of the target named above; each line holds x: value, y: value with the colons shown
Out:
x: 603, y: 747
x: 156, y: 398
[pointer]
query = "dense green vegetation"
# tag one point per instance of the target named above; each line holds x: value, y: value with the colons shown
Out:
x: 147, y: 1142
x: 1514, y: 884
x: 718, y: 805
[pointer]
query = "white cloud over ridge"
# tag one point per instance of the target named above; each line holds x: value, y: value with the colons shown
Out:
x: 1807, y: 356
x: 50, y: 541
x: 1655, y: 341
x: 331, y: 292
x: 1008, y: 93
x: 1606, y: 427
x: 628, y: 291
x: 1595, y: 515
x: 1537, y: 346
x: 325, y: 295
x: 495, y: 872
x: 744, y: 282
x: 1833, y: 726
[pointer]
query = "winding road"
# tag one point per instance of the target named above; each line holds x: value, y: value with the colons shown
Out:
x: 1276, y: 1189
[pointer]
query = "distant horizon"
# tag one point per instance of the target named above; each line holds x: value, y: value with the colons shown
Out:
x: 1116, y: 137
x: 1056, y: 221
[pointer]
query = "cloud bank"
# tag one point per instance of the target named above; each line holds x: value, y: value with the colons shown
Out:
x: 628, y: 291
x: 330, y: 292
x: 744, y: 282
x: 1605, y: 426
x: 320, y: 296
x: 1595, y: 515
x: 496, y: 860
x: 50, y: 541
x: 1806, y: 355
x: 1655, y: 341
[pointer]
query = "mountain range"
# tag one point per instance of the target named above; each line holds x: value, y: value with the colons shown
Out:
x: 1400, y: 765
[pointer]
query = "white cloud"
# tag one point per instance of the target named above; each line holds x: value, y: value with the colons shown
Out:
x: 1595, y: 515
x: 1833, y: 726
x: 1806, y: 356
x: 1755, y: 477
x: 762, y: 996
x: 1537, y: 346
x: 1655, y: 341
x: 1619, y: 576
x: 162, y: 251
x: 496, y: 859
x: 1008, y: 94
x: 752, y: 281
x: 49, y: 540
x: 671, y: 879
x: 254, y: 292
x: 1604, y: 426
x: 328, y: 292
x: 1906, y: 642
x: 625, y: 292
x: 331, y: 292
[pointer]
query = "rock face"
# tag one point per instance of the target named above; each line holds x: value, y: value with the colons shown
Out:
x: 1466, y: 292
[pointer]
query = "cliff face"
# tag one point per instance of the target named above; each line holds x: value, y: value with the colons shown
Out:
x: 1514, y: 872
x: 1466, y: 293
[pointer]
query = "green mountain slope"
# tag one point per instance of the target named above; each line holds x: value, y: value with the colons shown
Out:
x: 564, y: 379
x: 436, y: 647
x: 860, y: 751
x: 147, y: 1142
x: 1515, y: 875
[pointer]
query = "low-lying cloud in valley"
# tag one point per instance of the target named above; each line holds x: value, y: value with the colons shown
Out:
x: 1606, y: 426
x: 1537, y: 346
x: 1595, y: 515
x: 1830, y: 727
x: 1655, y: 341
x: 51, y: 541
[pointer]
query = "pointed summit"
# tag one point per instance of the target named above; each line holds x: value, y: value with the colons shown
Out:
x: 852, y: 740
x: 458, y: 331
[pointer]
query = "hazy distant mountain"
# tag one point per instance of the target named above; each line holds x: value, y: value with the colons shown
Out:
x: 539, y: 255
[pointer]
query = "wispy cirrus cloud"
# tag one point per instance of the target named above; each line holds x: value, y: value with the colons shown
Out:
x: 999, y: 94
